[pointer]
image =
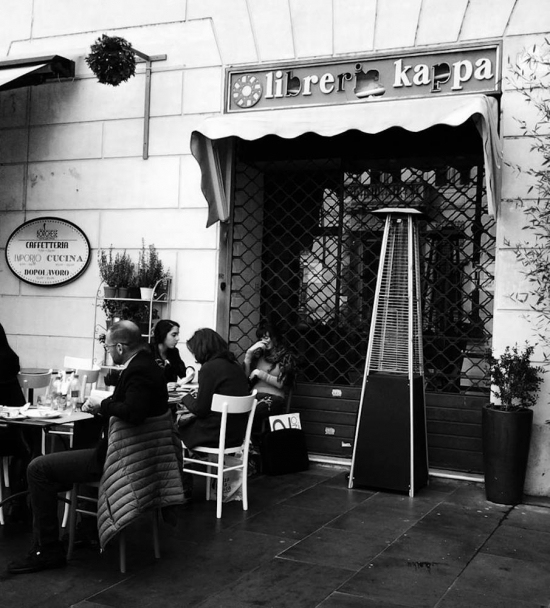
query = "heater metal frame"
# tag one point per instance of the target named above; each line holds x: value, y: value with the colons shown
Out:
x: 414, y: 369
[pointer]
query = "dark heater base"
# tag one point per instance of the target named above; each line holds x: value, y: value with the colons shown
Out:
x: 383, y: 456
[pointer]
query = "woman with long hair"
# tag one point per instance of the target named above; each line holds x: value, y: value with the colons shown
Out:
x: 164, y: 347
x: 219, y: 373
x: 270, y: 366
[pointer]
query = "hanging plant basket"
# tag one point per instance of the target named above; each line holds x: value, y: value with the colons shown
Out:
x: 112, y: 59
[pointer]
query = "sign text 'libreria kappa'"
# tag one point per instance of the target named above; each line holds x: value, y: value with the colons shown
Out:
x: 469, y: 70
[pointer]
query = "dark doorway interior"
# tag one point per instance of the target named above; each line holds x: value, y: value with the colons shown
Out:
x: 305, y: 254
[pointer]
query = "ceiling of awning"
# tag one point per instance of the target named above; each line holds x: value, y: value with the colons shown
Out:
x: 209, y: 142
x: 16, y: 73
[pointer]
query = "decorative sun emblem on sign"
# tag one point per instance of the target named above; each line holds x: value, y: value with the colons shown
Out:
x: 247, y: 91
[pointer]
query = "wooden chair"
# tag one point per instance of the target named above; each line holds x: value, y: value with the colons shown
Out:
x: 227, y: 406
x: 76, y: 497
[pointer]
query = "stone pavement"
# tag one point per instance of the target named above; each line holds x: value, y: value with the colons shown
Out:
x: 308, y: 541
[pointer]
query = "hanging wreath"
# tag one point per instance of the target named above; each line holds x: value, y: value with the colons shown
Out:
x: 112, y: 59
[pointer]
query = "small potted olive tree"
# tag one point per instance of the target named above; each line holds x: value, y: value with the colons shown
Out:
x: 108, y: 271
x: 506, y: 424
x: 125, y: 273
x: 150, y: 271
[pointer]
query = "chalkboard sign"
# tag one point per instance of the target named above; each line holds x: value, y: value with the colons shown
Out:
x: 48, y: 251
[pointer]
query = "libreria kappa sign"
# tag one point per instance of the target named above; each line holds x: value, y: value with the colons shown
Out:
x: 422, y: 74
x: 48, y: 251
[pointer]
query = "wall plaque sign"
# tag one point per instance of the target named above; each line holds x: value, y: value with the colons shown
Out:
x: 370, y: 79
x: 48, y: 251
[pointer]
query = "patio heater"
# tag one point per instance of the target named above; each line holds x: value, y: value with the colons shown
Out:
x: 390, y: 450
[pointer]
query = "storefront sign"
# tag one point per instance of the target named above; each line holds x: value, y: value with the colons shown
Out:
x: 469, y: 70
x: 48, y: 251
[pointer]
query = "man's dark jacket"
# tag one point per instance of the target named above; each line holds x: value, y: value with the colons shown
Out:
x: 139, y: 394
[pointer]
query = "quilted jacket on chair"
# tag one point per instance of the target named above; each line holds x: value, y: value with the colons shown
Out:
x: 142, y: 472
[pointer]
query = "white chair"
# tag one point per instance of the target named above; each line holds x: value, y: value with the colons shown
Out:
x: 29, y: 380
x: 6, y: 482
x: 88, y: 373
x: 227, y: 406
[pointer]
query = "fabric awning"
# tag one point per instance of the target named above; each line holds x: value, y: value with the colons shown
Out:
x: 210, y: 143
x: 16, y: 73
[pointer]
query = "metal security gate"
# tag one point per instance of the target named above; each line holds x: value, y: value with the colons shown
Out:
x: 305, y: 249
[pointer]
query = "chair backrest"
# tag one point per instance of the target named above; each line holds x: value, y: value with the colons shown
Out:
x: 88, y: 373
x: 227, y: 405
x: 235, y: 405
x: 34, y: 380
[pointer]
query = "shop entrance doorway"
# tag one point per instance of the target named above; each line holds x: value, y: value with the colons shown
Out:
x: 305, y: 251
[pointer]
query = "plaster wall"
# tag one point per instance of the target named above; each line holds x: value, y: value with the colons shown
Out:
x: 74, y: 149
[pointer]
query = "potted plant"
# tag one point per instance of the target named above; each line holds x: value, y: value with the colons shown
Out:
x: 112, y: 59
x: 506, y: 425
x: 150, y: 270
x: 108, y: 271
x: 125, y: 272
x: 140, y: 316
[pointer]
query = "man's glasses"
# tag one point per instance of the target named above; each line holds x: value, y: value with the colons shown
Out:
x: 108, y: 346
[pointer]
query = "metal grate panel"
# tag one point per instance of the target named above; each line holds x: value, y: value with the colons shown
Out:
x: 395, y: 343
x: 306, y: 247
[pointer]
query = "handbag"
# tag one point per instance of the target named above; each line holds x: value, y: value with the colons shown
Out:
x: 284, y: 451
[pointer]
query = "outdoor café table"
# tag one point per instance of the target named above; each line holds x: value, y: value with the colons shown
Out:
x: 175, y: 397
x: 31, y: 418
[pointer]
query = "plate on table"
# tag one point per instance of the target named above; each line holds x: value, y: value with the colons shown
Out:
x: 42, y: 413
x: 11, y: 413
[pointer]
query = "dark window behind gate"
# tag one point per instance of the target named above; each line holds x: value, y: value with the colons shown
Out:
x: 305, y: 254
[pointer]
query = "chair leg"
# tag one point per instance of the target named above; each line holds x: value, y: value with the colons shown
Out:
x: 67, y: 509
x: 122, y: 550
x: 208, y: 483
x: 156, y: 542
x: 5, y: 466
x: 72, y: 520
x: 244, y: 475
x: 1, y: 508
x: 219, y: 489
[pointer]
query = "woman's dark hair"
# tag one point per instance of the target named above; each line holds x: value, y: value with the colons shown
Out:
x: 267, y: 327
x: 206, y: 344
x: 280, y: 355
x: 162, y: 329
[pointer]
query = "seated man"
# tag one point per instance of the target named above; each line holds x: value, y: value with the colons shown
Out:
x: 140, y: 393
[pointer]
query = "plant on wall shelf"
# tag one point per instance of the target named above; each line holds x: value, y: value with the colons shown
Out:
x: 107, y: 268
x: 112, y: 59
x: 150, y: 267
x: 125, y: 269
x: 529, y: 76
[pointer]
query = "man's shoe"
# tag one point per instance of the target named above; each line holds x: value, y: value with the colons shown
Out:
x: 39, y: 559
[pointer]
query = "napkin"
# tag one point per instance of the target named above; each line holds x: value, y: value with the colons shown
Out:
x: 97, y: 396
